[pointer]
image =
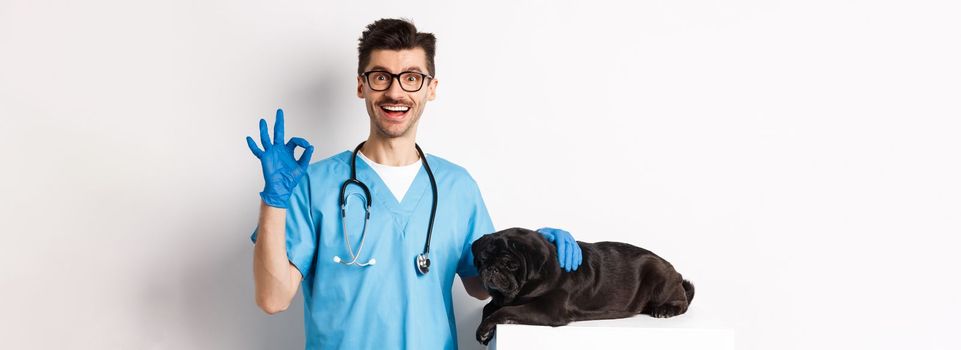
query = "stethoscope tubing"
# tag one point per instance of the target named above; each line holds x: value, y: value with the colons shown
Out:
x: 422, y: 260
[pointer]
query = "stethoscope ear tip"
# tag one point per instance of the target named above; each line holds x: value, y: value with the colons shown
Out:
x: 372, y: 261
x: 336, y: 259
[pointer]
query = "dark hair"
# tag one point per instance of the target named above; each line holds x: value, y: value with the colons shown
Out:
x: 394, y: 34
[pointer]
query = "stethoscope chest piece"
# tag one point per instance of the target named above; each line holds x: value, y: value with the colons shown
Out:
x: 423, y: 264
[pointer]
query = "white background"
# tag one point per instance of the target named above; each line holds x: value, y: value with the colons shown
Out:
x: 798, y: 161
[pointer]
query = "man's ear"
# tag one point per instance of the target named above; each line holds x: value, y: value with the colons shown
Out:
x: 432, y: 90
x: 360, y: 86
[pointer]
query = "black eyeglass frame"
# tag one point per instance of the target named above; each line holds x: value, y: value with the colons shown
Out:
x: 393, y: 77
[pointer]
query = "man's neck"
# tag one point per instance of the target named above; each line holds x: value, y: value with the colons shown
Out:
x: 398, y: 151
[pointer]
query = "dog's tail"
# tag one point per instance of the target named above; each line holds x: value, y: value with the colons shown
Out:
x: 688, y: 290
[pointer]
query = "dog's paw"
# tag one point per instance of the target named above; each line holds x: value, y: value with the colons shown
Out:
x: 485, y: 332
x: 668, y: 310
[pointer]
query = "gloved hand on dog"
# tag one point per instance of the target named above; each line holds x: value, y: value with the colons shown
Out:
x: 568, y: 252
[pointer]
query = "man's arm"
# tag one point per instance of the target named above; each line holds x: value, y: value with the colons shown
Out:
x: 276, y: 279
x: 475, y: 287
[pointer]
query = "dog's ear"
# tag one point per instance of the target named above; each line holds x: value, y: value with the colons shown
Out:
x: 547, y: 256
x: 540, y: 255
x: 477, y: 248
x: 478, y: 244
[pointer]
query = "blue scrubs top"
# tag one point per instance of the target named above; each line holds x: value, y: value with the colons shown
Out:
x: 388, y: 305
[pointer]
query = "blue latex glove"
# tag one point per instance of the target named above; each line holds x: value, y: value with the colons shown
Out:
x: 281, y: 172
x: 568, y: 252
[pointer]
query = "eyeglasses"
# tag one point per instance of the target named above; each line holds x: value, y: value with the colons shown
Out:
x: 379, y: 80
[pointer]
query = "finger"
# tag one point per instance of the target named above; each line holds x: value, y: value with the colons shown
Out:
x: 544, y: 231
x: 299, y: 141
x: 254, y: 148
x: 580, y: 257
x: 279, y: 128
x: 308, y: 149
x: 304, y: 160
x: 264, y: 138
x: 561, y: 254
x: 570, y: 256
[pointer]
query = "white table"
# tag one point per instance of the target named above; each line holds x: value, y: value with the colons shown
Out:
x: 639, y: 332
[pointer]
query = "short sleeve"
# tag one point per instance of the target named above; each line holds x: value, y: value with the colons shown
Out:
x: 479, y: 224
x: 301, y: 232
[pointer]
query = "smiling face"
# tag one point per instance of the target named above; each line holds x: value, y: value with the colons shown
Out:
x: 395, y: 112
x: 508, y: 259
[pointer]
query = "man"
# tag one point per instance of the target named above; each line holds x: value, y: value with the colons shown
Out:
x: 362, y: 287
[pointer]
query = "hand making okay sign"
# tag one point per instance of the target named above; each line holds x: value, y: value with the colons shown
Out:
x: 281, y: 171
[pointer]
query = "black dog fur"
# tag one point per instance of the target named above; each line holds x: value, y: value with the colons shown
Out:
x: 520, y: 270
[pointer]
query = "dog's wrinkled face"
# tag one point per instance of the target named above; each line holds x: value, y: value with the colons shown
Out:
x: 509, y: 258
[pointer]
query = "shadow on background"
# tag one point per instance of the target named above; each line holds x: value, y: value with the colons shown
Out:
x: 210, y: 304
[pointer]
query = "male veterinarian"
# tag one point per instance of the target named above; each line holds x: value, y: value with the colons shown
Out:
x: 363, y: 284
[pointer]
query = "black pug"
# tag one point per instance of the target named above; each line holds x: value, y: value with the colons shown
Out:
x: 520, y: 270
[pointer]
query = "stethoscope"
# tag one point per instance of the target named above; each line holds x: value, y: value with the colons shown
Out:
x: 422, y: 260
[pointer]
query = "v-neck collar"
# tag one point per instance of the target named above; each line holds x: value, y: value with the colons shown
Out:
x: 381, y: 193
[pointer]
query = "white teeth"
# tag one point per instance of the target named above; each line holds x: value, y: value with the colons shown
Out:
x: 396, y: 108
